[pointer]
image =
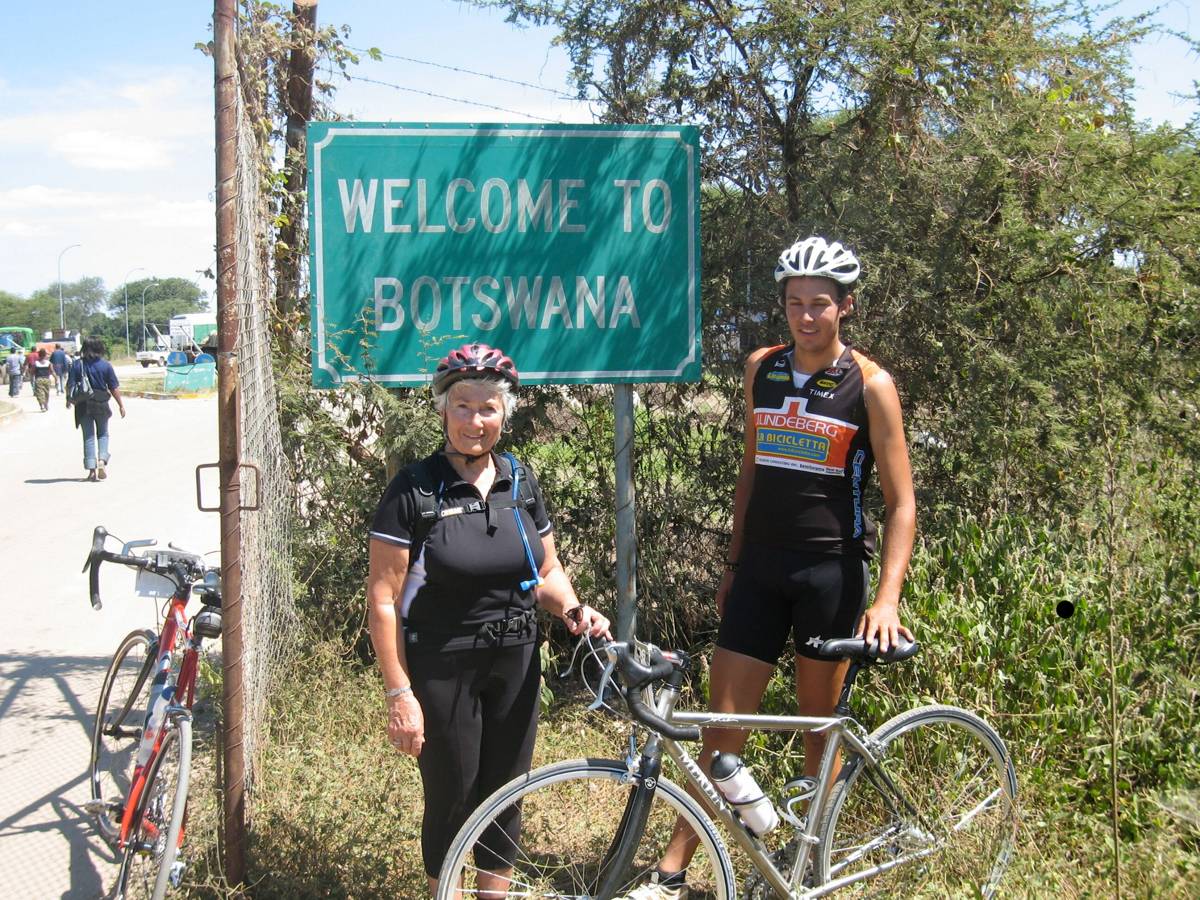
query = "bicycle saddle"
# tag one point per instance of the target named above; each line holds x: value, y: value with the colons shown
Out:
x: 859, y: 650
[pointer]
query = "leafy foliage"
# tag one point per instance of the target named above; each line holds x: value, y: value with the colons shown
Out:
x: 89, y: 308
x: 1031, y: 280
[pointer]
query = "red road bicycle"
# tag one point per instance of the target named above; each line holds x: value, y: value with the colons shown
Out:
x: 142, y: 736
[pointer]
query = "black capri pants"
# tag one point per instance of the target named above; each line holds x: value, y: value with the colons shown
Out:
x: 480, y: 708
x: 776, y: 592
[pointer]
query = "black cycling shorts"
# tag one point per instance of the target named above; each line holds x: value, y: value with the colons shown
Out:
x: 480, y: 709
x: 776, y: 592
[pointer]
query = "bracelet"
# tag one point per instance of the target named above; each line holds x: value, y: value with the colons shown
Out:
x: 397, y: 692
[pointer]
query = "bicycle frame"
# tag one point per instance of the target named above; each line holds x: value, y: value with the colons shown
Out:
x: 164, y: 703
x: 839, y: 730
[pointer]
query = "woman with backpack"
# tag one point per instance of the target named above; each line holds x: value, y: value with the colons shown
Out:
x: 90, y: 383
x: 461, y: 549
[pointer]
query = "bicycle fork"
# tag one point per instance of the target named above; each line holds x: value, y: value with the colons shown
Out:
x: 625, y: 842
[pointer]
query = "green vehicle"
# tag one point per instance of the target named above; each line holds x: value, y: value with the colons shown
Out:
x: 15, y: 336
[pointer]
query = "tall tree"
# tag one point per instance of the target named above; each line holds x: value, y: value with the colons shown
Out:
x: 298, y: 106
x: 281, y: 52
x: 1030, y: 252
x: 82, y: 300
x: 984, y: 160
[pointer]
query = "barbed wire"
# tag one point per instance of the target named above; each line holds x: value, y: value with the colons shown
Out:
x: 426, y: 62
x: 412, y: 90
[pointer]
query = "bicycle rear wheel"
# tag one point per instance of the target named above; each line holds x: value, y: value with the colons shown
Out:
x: 148, y: 867
x: 949, y: 832
x: 117, y: 730
x: 566, y: 817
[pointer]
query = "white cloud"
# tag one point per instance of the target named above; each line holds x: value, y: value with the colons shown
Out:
x: 123, y: 123
x: 152, y: 92
x: 119, y: 162
x: 41, y: 197
x: 69, y: 208
x: 23, y: 229
x: 111, y: 151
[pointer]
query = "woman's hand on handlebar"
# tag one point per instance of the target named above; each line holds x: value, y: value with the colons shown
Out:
x: 582, y: 619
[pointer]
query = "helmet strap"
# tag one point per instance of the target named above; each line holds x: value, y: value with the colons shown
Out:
x: 448, y: 448
x: 467, y: 456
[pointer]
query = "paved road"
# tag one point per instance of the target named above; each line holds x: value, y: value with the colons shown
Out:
x: 53, y: 647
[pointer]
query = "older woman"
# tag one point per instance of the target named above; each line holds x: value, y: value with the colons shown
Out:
x: 461, y: 549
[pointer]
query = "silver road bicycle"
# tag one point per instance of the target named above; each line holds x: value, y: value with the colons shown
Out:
x: 923, y: 806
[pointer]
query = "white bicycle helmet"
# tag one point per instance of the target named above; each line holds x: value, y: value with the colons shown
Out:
x: 816, y: 256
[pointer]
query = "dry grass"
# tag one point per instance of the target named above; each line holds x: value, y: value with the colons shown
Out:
x: 336, y: 812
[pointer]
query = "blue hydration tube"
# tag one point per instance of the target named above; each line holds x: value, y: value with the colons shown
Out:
x: 537, y: 578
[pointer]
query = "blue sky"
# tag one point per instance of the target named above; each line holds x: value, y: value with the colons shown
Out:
x: 107, y: 111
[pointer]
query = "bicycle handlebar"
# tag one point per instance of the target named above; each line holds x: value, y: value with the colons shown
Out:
x: 175, y: 570
x: 635, y: 676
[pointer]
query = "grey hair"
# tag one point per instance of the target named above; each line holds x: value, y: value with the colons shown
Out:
x: 496, y: 385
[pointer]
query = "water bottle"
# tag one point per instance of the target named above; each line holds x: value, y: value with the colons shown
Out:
x: 735, y: 782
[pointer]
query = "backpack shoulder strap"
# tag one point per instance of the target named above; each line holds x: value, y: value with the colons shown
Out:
x: 426, y: 493
x: 520, y: 492
x: 520, y: 474
x: 84, y: 380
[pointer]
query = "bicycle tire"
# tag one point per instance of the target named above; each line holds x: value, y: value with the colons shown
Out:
x: 951, y: 836
x: 569, y: 813
x: 156, y: 832
x: 117, y: 730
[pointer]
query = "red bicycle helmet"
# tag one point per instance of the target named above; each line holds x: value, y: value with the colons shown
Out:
x: 474, y: 360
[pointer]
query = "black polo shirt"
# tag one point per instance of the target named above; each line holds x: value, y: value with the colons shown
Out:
x: 471, y: 566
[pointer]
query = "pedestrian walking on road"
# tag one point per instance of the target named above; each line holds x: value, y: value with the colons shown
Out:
x: 58, y: 359
x: 29, y: 358
x: 90, y: 384
x: 14, y: 366
x: 42, y: 370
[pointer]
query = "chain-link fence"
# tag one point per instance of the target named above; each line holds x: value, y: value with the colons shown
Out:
x: 268, y: 611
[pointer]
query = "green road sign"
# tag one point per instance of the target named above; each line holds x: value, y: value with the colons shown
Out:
x: 575, y: 248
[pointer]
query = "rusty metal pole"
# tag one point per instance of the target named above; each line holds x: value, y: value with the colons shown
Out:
x: 229, y: 440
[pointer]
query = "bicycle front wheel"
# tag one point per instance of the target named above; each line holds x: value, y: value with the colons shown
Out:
x: 149, y: 868
x: 550, y: 834
x: 124, y: 699
x: 947, y: 827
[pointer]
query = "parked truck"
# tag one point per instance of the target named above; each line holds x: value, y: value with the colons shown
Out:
x: 66, y: 338
x: 189, y: 333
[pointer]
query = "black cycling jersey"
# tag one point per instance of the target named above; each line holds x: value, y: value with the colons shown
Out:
x: 812, y: 457
x: 473, y: 561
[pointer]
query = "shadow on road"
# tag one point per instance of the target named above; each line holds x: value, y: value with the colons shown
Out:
x: 31, y: 739
x: 53, y: 480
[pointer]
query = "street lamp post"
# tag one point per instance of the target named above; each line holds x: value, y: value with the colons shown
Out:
x: 153, y: 282
x: 129, y: 346
x: 62, y: 321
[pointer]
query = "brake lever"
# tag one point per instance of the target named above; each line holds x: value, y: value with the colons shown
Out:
x: 605, y: 680
x: 131, y: 545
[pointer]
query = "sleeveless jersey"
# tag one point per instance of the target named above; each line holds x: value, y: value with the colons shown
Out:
x: 812, y: 457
